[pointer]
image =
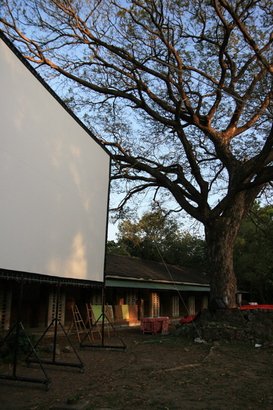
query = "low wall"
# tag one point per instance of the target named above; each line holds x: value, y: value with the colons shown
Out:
x: 253, y: 326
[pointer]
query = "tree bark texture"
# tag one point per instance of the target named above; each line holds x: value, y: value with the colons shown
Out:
x: 223, y: 283
x: 221, y: 234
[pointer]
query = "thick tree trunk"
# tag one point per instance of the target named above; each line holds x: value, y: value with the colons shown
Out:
x: 221, y: 234
x: 220, y: 244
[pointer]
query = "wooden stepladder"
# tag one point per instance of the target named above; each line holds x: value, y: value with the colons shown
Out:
x: 97, y: 318
x: 101, y: 320
x: 84, y: 329
x: 78, y: 323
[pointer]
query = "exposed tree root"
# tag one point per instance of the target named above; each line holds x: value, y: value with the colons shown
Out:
x: 189, y: 365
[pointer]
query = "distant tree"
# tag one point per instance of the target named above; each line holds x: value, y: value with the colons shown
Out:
x: 157, y: 237
x: 191, y: 252
x: 116, y: 248
x: 150, y: 236
x: 179, y: 91
x: 253, y: 257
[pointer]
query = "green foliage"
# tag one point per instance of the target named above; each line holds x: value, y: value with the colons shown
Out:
x: 7, y: 348
x: 117, y: 248
x: 157, y: 237
x: 253, y: 257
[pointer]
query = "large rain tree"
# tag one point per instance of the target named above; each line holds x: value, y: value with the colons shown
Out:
x: 179, y: 91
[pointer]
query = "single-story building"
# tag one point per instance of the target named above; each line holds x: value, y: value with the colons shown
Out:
x: 157, y: 289
x: 134, y: 288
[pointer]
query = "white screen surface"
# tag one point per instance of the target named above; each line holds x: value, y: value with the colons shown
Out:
x: 54, y: 181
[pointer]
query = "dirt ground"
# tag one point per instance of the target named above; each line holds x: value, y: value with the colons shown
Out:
x: 154, y: 372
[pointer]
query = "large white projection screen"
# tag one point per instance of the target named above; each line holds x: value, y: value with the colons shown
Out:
x: 54, y: 182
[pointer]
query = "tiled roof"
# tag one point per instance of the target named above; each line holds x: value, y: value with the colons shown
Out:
x: 131, y: 268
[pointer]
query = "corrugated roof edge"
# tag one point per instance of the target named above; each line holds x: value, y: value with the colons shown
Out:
x: 109, y: 276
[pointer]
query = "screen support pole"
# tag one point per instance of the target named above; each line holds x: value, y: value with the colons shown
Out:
x: 56, y: 324
x: 104, y: 319
x: 13, y: 337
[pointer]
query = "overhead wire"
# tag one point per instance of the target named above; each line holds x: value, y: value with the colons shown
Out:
x: 176, y: 288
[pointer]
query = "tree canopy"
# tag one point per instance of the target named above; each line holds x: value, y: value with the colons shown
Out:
x: 156, y: 236
x: 179, y: 91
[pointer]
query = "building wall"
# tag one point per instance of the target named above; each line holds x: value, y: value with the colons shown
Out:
x: 153, y: 303
x: 129, y: 305
x: 5, y: 307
